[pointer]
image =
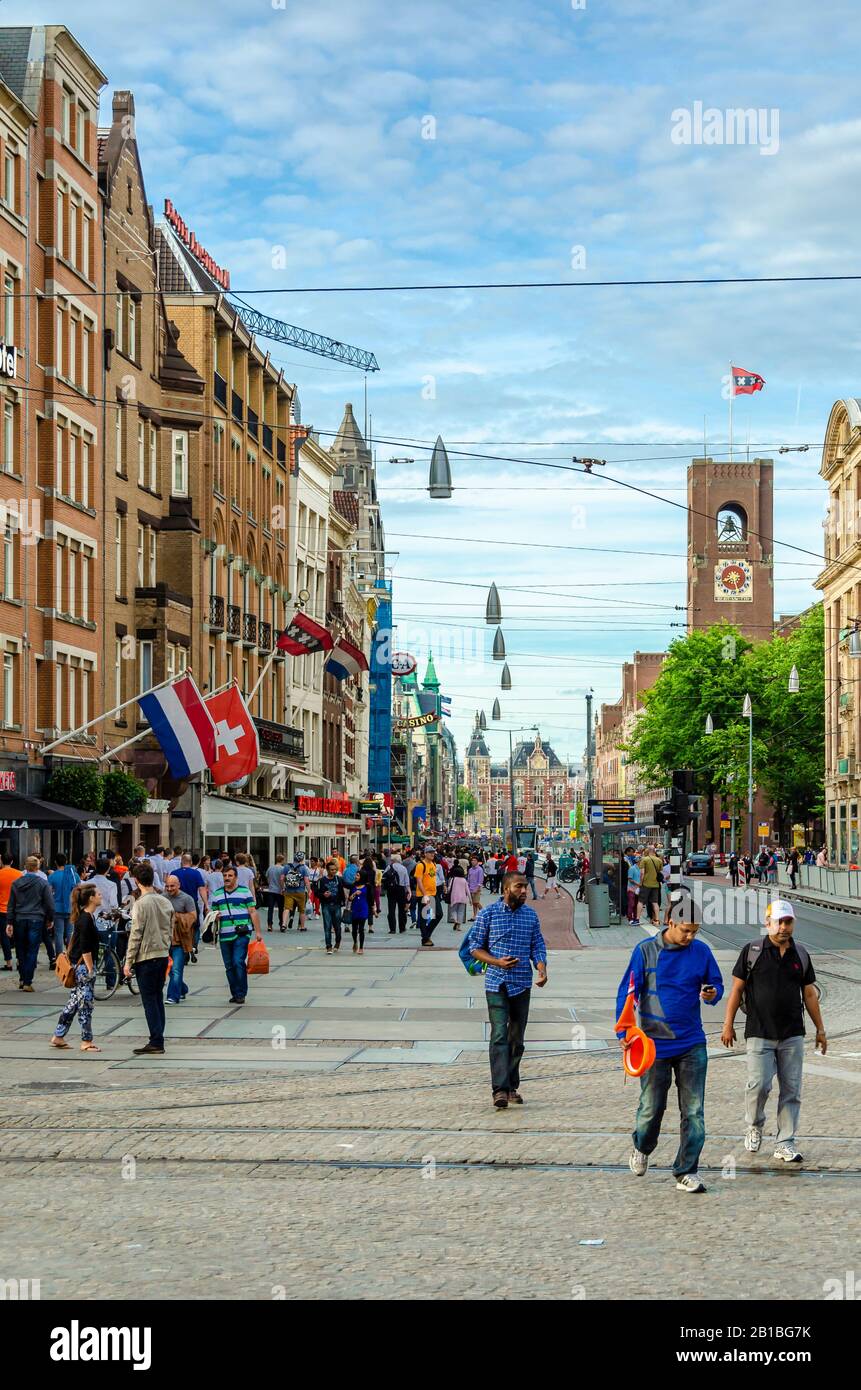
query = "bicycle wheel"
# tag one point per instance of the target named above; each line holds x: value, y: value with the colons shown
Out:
x: 107, y: 974
x: 131, y: 983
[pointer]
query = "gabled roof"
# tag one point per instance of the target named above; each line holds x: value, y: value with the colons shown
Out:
x: 347, y: 503
x: 14, y: 55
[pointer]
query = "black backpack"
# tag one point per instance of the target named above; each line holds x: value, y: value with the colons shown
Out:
x: 753, y: 951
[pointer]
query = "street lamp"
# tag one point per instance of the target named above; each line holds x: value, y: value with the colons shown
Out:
x: 747, y: 713
x: 524, y: 728
x: 493, y: 611
x: 439, y: 482
x: 499, y: 646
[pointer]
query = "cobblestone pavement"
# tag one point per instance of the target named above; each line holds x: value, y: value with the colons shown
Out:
x: 344, y: 1166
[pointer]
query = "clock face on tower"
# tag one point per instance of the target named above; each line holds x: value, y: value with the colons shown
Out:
x: 733, y: 581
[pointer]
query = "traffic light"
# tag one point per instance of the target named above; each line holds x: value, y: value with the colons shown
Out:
x: 665, y: 815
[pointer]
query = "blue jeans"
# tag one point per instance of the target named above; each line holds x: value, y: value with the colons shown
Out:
x: 28, y: 939
x: 332, y: 923
x: 177, y: 989
x: 62, y: 931
x: 531, y: 882
x: 233, y: 953
x: 689, y: 1070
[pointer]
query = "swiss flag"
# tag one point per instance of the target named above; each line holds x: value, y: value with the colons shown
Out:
x: 237, y: 750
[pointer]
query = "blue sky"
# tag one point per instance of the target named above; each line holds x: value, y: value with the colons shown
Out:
x: 303, y: 128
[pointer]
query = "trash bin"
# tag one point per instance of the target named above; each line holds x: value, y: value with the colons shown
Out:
x: 598, y: 904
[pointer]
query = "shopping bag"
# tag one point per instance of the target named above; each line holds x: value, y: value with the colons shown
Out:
x: 257, y: 961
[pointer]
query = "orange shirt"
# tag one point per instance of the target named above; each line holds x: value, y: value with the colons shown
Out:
x: 8, y: 876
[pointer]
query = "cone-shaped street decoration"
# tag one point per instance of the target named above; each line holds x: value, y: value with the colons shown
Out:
x: 505, y: 683
x: 855, y: 644
x: 499, y: 646
x: 482, y: 720
x: 794, y: 683
x: 497, y: 712
x: 493, y: 612
x: 439, y: 483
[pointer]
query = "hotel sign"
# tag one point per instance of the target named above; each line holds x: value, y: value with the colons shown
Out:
x: 324, y: 805
x: 8, y: 361
x: 200, y: 253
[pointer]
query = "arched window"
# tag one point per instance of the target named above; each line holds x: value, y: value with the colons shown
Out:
x: 732, y: 523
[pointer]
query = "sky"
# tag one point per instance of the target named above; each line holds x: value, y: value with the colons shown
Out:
x: 356, y: 143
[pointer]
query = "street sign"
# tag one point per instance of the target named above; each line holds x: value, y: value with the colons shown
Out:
x: 763, y: 830
x: 616, y: 811
x: 726, y: 823
x: 596, y: 815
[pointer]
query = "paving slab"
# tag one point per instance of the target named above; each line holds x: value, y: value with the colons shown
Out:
x: 407, y: 1056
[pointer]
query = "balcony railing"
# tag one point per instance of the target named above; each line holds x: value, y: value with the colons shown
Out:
x: 216, y: 613
x: 234, y: 621
x: 264, y: 636
x: 236, y: 406
x: 267, y: 438
x: 219, y: 389
x: 249, y: 630
x: 252, y: 422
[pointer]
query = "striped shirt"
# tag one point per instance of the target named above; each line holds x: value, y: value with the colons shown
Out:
x: 234, y: 911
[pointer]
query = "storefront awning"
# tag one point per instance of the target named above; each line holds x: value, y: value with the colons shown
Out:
x: 256, y: 816
x: 28, y: 813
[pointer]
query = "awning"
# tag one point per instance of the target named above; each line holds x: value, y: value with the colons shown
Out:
x: 28, y: 813
x: 255, y: 816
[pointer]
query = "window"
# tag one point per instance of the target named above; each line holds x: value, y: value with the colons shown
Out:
x: 86, y: 348
x: 8, y: 572
x: 8, y: 688
x: 10, y: 179
x: 235, y: 464
x: 119, y: 555
x: 81, y: 131
x: 118, y: 441
x: 252, y: 483
x: 179, y: 473
x: 71, y: 479
x: 141, y: 553
x: 61, y: 454
x: 211, y: 667
x: 86, y: 244
x: 144, y: 665
x: 153, y: 458
x: 59, y: 604
x: 9, y: 436
x: 61, y: 222
x: 67, y: 115
x: 118, y: 327
x: 85, y: 585
x: 8, y: 309
x: 218, y: 458
x: 151, y: 558
x: 118, y: 670
x: 131, y: 346
x: 59, y: 352
x: 74, y: 214
x: 72, y: 372
x: 141, y: 469
x: 85, y: 471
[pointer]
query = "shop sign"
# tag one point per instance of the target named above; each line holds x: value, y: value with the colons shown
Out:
x: 14, y: 825
x: 7, y: 782
x: 8, y: 361
x: 403, y: 664
x: 187, y: 237
x: 416, y: 721
x: 324, y: 805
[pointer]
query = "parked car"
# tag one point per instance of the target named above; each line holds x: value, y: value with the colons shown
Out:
x: 700, y: 863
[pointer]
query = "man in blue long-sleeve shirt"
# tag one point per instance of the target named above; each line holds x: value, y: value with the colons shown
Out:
x: 672, y: 973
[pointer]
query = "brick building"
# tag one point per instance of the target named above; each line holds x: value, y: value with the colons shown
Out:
x: 545, y: 787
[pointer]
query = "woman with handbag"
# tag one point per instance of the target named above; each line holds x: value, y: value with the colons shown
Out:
x: 81, y: 967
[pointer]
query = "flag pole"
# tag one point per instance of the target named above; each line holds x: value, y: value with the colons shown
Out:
x: 264, y: 672
x: 731, y: 394
x: 109, y: 752
x: 73, y: 733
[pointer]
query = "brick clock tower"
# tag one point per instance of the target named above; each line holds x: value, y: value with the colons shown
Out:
x: 730, y: 574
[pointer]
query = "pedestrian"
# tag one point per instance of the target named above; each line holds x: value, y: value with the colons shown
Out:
x: 773, y: 979
x: 490, y: 872
x: 360, y: 908
x: 550, y: 869
x: 396, y: 882
x: 83, y: 950
x: 793, y: 864
x: 8, y: 875
x: 295, y: 879
x: 368, y: 876
x: 822, y: 858
x: 148, y: 953
x: 315, y: 869
x: 29, y: 914
x: 351, y: 872
x: 181, y: 937
x: 633, y: 891
x: 192, y: 882
x: 585, y: 865
x: 378, y: 888
x: 672, y: 972
x: 529, y: 872
x: 457, y: 894
x: 772, y: 867
x: 237, y: 916
x: 410, y: 866
x: 733, y: 868
x: 173, y: 861
x: 502, y: 859
x: 275, y: 891
x: 475, y: 883
x: 158, y: 861
x: 332, y: 898
x: 64, y: 878
x: 747, y: 865
x: 651, y: 877
x: 429, y: 885
x: 761, y: 865
x: 507, y: 937
x: 809, y: 856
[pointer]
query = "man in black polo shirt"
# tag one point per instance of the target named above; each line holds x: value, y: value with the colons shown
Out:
x: 776, y: 977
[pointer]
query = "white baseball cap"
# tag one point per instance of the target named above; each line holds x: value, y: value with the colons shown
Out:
x: 780, y: 908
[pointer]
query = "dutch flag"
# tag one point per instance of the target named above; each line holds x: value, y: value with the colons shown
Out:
x: 183, y: 726
x: 345, y: 660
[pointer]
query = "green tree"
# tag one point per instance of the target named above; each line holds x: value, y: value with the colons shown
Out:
x: 75, y: 784
x: 124, y: 794
x: 466, y: 802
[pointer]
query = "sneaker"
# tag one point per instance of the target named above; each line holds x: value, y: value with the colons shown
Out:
x: 691, y: 1182
x: 500, y: 1100
x: 144, y: 1051
x: 753, y: 1139
x: 173, y: 1001
x: 638, y: 1163
x: 788, y: 1153
x: 328, y: 950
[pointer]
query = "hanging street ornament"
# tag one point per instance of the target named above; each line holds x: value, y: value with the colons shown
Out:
x: 493, y: 612
x: 499, y: 646
x: 439, y: 483
x: 506, y: 678
x: 497, y: 712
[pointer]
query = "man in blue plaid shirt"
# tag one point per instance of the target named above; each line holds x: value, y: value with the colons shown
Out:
x: 507, y: 936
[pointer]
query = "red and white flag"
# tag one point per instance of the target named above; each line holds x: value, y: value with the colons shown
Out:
x: 237, y: 748
x: 304, y: 636
x: 745, y: 383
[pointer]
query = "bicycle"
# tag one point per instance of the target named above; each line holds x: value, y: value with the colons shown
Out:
x: 110, y: 957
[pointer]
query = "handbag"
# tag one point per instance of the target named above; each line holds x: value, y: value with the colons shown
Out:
x: 65, y: 971
x: 347, y: 916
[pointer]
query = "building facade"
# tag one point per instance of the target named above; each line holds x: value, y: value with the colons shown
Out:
x: 730, y: 546
x: 546, y: 789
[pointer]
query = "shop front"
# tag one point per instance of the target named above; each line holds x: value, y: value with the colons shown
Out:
x: 262, y: 829
x: 326, y: 824
x: 31, y: 826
